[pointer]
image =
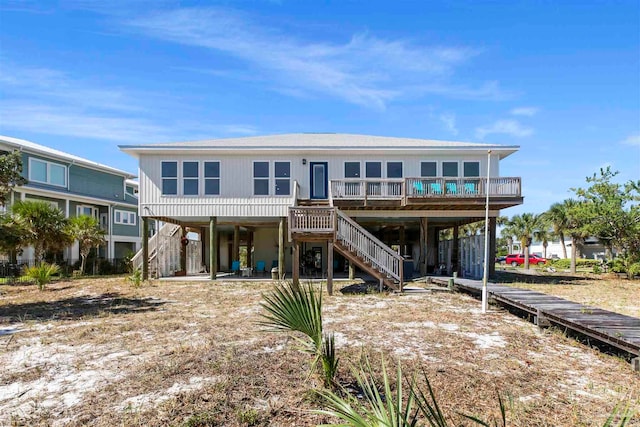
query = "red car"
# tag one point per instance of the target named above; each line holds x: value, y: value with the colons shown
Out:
x: 518, y: 259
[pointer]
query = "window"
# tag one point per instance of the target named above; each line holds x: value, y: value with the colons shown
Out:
x: 428, y: 169
x: 352, y: 169
x: 394, y: 169
x: 169, y: 178
x: 373, y: 169
x: 190, y: 178
x: 261, y: 178
x: 283, y: 178
x: 212, y: 178
x: 47, y: 172
x: 471, y: 169
x: 449, y: 168
x: 124, y: 217
x: 87, y: 210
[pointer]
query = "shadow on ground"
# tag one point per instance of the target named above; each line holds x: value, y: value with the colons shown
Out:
x: 540, y: 278
x: 77, y: 307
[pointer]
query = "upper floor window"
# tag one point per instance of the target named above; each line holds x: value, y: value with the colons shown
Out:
x: 190, y: 177
x: 169, y: 178
x: 373, y: 169
x: 428, y: 169
x: 283, y: 178
x: 394, y: 169
x: 47, y: 172
x: 261, y: 178
x: 87, y: 210
x: 352, y: 169
x: 471, y: 169
x: 449, y: 168
x: 212, y: 178
x: 124, y: 217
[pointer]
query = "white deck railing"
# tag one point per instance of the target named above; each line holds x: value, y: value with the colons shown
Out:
x: 436, y: 187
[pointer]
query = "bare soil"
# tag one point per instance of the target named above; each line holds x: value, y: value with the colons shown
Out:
x: 102, y: 353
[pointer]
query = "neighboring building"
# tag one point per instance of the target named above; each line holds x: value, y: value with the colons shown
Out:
x: 79, y: 186
x: 367, y: 198
x: 590, y: 248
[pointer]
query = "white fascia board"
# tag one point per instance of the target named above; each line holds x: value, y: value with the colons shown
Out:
x: 70, y: 196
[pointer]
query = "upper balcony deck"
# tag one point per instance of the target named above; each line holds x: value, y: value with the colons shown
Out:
x: 426, y: 193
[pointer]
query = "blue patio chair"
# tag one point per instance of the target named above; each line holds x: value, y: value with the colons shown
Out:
x: 260, y: 267
x: 470, y: 188
x: 452, y: 188
x: 418, y: 188
x: 436, y: 188
x: 235, y: 267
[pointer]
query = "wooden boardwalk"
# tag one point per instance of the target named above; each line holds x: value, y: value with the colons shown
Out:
x: 614, y: 329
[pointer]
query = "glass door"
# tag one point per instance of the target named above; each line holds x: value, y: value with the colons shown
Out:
x: 319, y: 180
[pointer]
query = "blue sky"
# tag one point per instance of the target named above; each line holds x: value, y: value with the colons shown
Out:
x: 559, y: 79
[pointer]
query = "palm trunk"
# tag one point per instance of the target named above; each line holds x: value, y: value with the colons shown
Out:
x: 526, y: 257
x: 544, y: 250
x: 83, y: 258
x: 564, y: 247
x: 573, y: 254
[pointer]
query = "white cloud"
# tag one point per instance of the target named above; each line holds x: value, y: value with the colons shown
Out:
x: 633, y: 140
x: 507, y: 127
x: 363, y: 70
x: 449, y: 122
x: 524, y: 111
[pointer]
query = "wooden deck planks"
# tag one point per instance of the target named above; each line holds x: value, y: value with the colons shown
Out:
x: 615, y: 329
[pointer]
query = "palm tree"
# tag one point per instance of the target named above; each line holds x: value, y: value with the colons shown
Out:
x: 86, y: 230
x: 12, y: 234
x: 523, y: 227
x: 507, y: 233
x: 557, y: 216
x: 44, y: 226
x: 574, y: 228
x: 543, y: 234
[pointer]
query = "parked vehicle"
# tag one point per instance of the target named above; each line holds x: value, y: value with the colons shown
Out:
x: 501, y: 259
x: 518, y: 259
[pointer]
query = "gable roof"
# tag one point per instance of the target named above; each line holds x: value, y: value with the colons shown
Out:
x: 32, y: 147
x: 306, y: 142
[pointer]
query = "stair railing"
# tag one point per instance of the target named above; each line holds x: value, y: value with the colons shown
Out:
x: 365, y: 245
x: 166, y: 229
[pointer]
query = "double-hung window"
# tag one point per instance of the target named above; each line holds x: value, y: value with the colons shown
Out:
x: 394, y: 169
x: 261, y: 178
x: 212, y: 178
x: 428, y: 169
x: 471, y: 169
x: 449, y: 168
x: 283, y: 178
x: 169, y: 178
x: 47, y: 172
x: 190, y: 178
x: 87, y: 210
x: 373, y: 170
x: 352, y: 169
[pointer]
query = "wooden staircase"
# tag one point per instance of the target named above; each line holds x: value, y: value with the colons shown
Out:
x: 350, y: 240
x: 162, y: 247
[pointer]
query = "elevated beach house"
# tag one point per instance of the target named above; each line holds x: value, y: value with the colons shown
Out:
x: 317, y: 203
x: 78, y: 186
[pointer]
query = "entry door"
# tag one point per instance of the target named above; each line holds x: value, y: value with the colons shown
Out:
x: 319, y: 180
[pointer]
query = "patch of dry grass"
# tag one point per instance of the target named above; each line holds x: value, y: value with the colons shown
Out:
x: 102, y: 353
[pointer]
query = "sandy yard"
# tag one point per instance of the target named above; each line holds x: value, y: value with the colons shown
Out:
x: 99, y: 352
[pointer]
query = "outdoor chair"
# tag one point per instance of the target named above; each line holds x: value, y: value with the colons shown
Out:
x: 436, y: 188
x: 452, y: 188
x: 260, y: 267
x: 470, y: 188
x: 418, y: 188
x: 235, y: 267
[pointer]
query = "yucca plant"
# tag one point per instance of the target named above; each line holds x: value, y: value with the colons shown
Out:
x: 299, y: 309
x: 42, y: 273
x: 625, y: 413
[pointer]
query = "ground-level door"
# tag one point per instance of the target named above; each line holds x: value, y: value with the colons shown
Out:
x: 319, y: 180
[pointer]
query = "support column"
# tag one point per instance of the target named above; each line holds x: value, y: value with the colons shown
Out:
x: 492, y: 246
x: 213, y: 247
x: 402, y: 240
x: 203, y: 254
x: 183, y: 250
x: 236, y: 243
x: 330, y: 267
x: 352, y: 271
x: 455, y: 250
x: 422, y: 261
x: 249, y: 248
x: 296, y: 264
x: 281, y: 234
x: 432, y: 249
x: 145, y: 248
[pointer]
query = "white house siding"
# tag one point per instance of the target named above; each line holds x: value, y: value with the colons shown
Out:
x: 236, y: 180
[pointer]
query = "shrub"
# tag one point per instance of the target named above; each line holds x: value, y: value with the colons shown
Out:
x: 634, y: 270
x: 136, y: 278
x: 564, y: 264
x: 41, y: 274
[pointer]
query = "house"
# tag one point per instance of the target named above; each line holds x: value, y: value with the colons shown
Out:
x: 590, y: 248
x: 79, y: 186
x: 313, y: 203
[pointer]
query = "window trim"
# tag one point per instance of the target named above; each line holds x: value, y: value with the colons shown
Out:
x: 177, y: 178
x: 95, y: 212
x: 48, y: 172
x: 429, y: 161
x: 268, y: 178
x: 281, y: 178
x: 471, y: 161
x: 457, y: 162
x: 386, y: 168
x: 205, y: 178
x: 381, y: 169
x: 344, y: 169
x: 130, y: 214
x: 181, y: 178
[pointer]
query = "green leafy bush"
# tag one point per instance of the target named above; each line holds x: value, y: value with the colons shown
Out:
x: 634, y: 270
x: 564, y: 264
x: 41, y: 274
x: 136, y: 278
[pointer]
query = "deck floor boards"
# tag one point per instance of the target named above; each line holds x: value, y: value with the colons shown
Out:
x: 615, y: 329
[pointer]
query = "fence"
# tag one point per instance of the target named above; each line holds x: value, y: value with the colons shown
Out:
x: 10, y: 272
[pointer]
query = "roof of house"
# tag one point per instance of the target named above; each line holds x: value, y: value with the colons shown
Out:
x: 32, y: 147
x: 315, y: 142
